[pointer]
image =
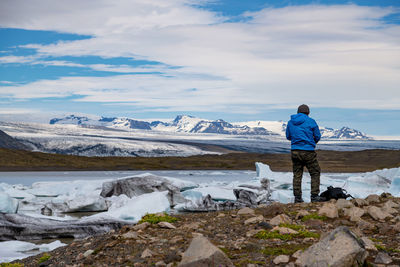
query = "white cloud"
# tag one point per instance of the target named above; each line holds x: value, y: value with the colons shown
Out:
x: 336, y: 56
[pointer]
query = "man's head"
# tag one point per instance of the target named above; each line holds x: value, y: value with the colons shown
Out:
x: 303, y: 109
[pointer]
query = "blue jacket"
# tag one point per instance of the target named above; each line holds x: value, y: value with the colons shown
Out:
x: 303, y: 132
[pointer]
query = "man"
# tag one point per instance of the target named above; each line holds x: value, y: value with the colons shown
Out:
x: 304, y: 134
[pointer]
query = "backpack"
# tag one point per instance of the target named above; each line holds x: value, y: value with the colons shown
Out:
x: 335, y: 193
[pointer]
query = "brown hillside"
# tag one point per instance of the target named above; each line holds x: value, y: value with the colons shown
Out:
x: 330, y: 161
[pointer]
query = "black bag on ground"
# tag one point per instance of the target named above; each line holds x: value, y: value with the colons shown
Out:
x: 335, y: 193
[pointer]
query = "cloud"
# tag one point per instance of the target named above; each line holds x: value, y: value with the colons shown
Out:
x: 327, y: 56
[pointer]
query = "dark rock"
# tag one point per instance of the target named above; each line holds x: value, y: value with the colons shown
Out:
x: 272, y: 210
x: 265, y: 225
x: 172, y: 256
x: 383, y: 258
x: 384, y: 228
x: 314, y: 223
x: 46, y: 211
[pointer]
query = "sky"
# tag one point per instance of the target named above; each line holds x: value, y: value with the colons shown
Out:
x: 216, y: 59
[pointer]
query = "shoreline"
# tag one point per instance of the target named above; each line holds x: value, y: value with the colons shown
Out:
x: 330, y: 161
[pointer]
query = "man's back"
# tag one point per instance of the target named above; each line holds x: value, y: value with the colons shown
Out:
x: 303, y: 132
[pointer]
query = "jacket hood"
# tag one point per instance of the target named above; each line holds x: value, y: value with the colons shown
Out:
x: 298, y: 119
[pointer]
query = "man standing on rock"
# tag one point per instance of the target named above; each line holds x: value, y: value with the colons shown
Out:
x: 304, y: 134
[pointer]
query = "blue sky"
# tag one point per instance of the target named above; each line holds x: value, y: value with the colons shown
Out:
x: 235, y: 60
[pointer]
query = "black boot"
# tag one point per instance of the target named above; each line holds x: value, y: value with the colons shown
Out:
x: 316, y: 198
x: 298, y: 200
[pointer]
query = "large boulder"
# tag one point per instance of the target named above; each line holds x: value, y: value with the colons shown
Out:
x: 378, y: 214
x: 139, y: 185
x: 340, y: 248
x: 202, y: 253
x: 329, y: 210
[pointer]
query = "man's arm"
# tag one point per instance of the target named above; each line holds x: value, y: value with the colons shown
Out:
x: 288, y: 135
x: 317, y: 133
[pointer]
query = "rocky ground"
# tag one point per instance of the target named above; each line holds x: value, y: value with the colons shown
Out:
x: 269, y: 235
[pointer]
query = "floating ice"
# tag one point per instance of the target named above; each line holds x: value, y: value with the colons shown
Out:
x: 133, y: 209
x: 7, y: 203
x: 15, y: 191
x: 13, y: 250
x: 216, y: 193
x: 54, y: 189
x: 376, y: 182
x: 181, y: 184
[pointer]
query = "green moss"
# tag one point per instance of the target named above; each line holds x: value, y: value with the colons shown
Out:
x: 96, y: 250
x: 381, y: 247
x: 393, y: 250
x: 274, y: 235
x: 292, y: 226
x: 285, y: 237
x: 6, y: 264
x: 283, y: 250
x: 154, y: 218
x: 227, y: 252
x: 305, y: 234
x: 314, y: 216
x: 44, y: 258
x: 291, y: 213
x: 245, y: 262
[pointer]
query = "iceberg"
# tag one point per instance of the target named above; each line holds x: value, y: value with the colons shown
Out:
x: 23, y: 227
x: 54, y: 189
x: 376, y: 182
x: 7, y: 203
x: 144, y: 184
x: 15, y: 191
x: 14, y: 250
x: 133, y: 209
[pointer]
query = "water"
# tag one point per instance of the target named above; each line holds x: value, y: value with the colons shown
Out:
x: 197, y: 176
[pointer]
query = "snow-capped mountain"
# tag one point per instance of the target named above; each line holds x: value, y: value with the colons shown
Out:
x: 189, y: 124
x: 279, y: 127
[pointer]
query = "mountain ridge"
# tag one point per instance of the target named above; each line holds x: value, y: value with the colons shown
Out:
x: 191, y: 124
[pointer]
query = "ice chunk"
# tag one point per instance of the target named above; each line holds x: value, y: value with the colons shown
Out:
x: 15, y: 191
x: 7, y: 203
x: 282, y: 196
x: 133, y: 209
x: 54, y: 189
x: 375, y: 182
x: 77, y: 203
x: 13, y: 250
x: 179, y: 183
x: 216, y: 193
x: 395, y: 187
x: 264, y: 171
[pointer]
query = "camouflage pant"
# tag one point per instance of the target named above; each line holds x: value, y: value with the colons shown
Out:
x: 301, y: 158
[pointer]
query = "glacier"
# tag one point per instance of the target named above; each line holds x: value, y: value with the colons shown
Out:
x: 186, y: 136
